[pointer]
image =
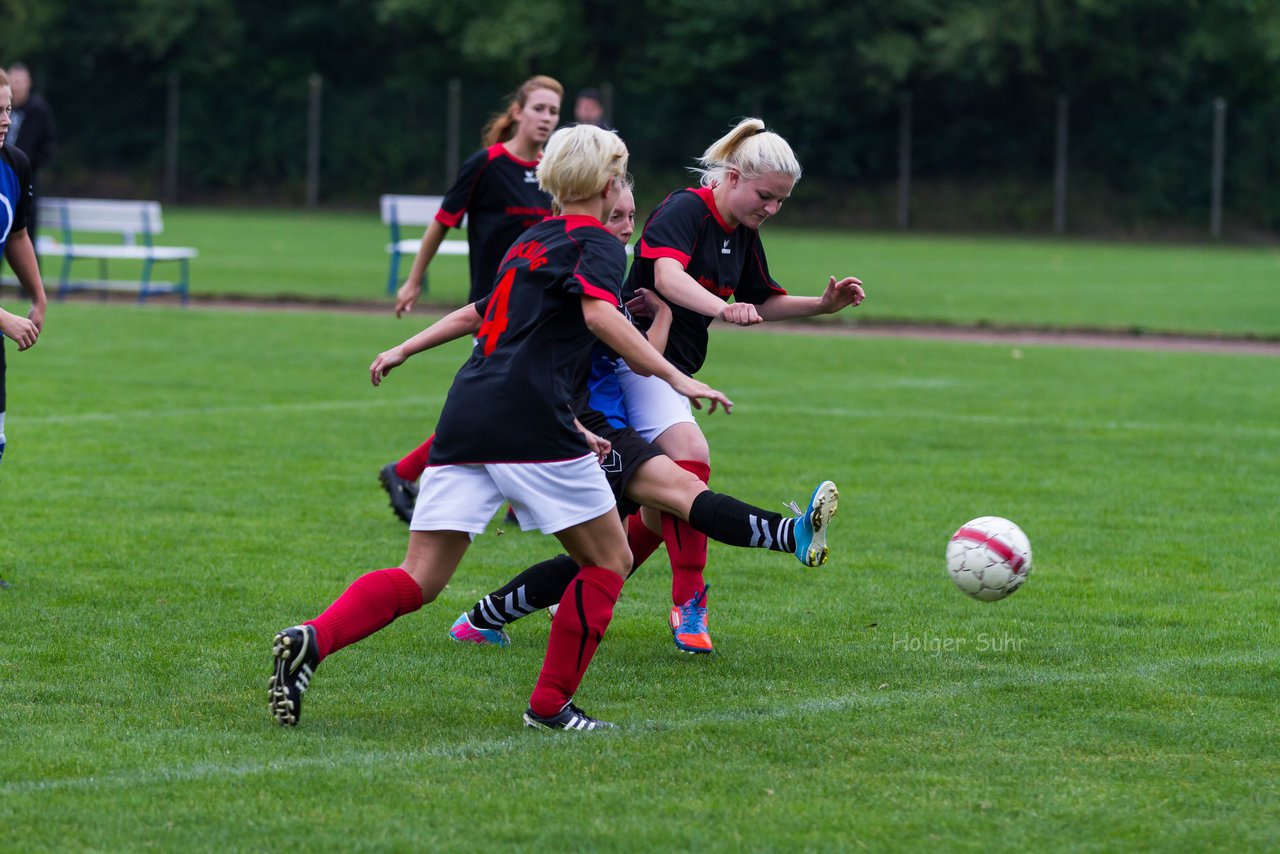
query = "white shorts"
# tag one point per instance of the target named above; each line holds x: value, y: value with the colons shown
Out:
x: 548, y: 496
x: 652, y: 404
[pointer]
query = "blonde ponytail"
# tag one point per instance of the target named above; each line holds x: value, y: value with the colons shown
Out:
x: 751, y: 151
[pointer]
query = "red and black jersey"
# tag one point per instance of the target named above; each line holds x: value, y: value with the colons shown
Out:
x: 726, y: 261
x: 500, y: 197
x: 510, y: 402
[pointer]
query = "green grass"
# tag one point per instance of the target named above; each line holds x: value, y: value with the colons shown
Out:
x: 954, y: 280
x: 180, y: 484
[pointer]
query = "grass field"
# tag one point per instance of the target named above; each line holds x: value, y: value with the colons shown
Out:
x: 181, y: 484
x: 994, y: 280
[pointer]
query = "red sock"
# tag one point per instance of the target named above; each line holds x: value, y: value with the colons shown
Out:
x: 415, y: 462
x: 686, y: 547
x: 642, y: 541
x: 371, y: 602
x: 580, y: 622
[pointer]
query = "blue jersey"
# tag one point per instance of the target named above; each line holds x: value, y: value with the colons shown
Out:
x: 603, y: 387
x: 15, y: 192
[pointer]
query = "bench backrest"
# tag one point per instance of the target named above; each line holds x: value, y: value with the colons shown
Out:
x: 410, y: 210
x: 113, y: 216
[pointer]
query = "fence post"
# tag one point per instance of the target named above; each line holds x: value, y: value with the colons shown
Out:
x: 313, y: 140
x: 606, y: 98
x: 452, y: 132
x: 1219, y: 157
x: 171, y: 138
x: 1060, y: 167
x: 904, y: 161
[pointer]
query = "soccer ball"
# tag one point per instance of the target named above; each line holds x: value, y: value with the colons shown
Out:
x: 989, y: 558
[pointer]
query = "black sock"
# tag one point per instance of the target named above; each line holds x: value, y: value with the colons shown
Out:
x: 725, y: 519
x: 540, y: 586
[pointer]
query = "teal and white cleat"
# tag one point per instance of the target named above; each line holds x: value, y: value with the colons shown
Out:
x: 463, y: 631
x: 810, y: 529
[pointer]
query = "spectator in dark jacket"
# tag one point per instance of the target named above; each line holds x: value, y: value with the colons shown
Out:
x: 34, y: 132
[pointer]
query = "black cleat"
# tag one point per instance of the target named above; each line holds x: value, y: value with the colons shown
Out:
x: 570, y: 718
x: 296, y: 658
x: 403, y: 492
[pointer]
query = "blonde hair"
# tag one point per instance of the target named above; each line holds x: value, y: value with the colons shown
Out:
x: 579, y: 161
x: 749, y: 150
x: 502, y: 126
x: 4, y: 78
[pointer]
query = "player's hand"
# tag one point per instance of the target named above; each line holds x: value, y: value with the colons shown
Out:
x: 36, y: 316
x: 407, y: 296
x: 22, y: 330
x: 740, y: 314
x: 842, y: 294
x: 646, y: 303
x: 599, y: 445
x: 384, y: 363
x: 697, y: 391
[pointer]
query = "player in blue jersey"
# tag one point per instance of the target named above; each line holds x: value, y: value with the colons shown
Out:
x: 15, y: 243
x: 497, y: 190
x: 557, y: 291
x: 701, y: 248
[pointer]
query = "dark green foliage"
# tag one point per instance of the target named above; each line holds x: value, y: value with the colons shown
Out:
x: 984, y: 75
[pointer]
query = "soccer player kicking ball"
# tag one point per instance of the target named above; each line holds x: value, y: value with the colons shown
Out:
x: 700, y: 248
x: 557, y: 291
x: 641, y: 475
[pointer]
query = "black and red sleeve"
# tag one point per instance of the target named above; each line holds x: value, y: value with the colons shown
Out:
x: 601, y: 265
x: 458, y: 199
x: 672, y: 229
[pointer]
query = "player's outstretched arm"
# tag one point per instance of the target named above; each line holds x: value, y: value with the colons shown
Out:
x: 456, y: 324
x: 608, y: 324
x: 675, y: 284
x: 836, y: 296
x: 407, y: 295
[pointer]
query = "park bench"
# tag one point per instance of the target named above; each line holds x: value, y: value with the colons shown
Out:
x: 398, y: 211
x: 135, y: 222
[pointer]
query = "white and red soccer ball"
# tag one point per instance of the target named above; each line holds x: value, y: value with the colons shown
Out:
x: 989, y: 558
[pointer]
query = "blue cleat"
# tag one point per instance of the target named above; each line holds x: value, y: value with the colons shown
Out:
x: 464, y: 632
x: 689, y: 624
x: 810, y: 529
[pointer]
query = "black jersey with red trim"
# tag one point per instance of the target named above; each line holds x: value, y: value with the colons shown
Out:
x: 15, y: 192
x: 499, y: 195
x: 728, y: 262
x: 510, y: 402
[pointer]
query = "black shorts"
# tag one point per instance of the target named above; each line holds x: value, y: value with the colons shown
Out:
x: 630, y: 451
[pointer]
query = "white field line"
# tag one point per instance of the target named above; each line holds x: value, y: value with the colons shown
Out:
x: 1059, y: 424
x: 245, y: 409
x: 516, y: 745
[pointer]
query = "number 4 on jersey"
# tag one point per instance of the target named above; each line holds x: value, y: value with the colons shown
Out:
x: 495, y: 317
